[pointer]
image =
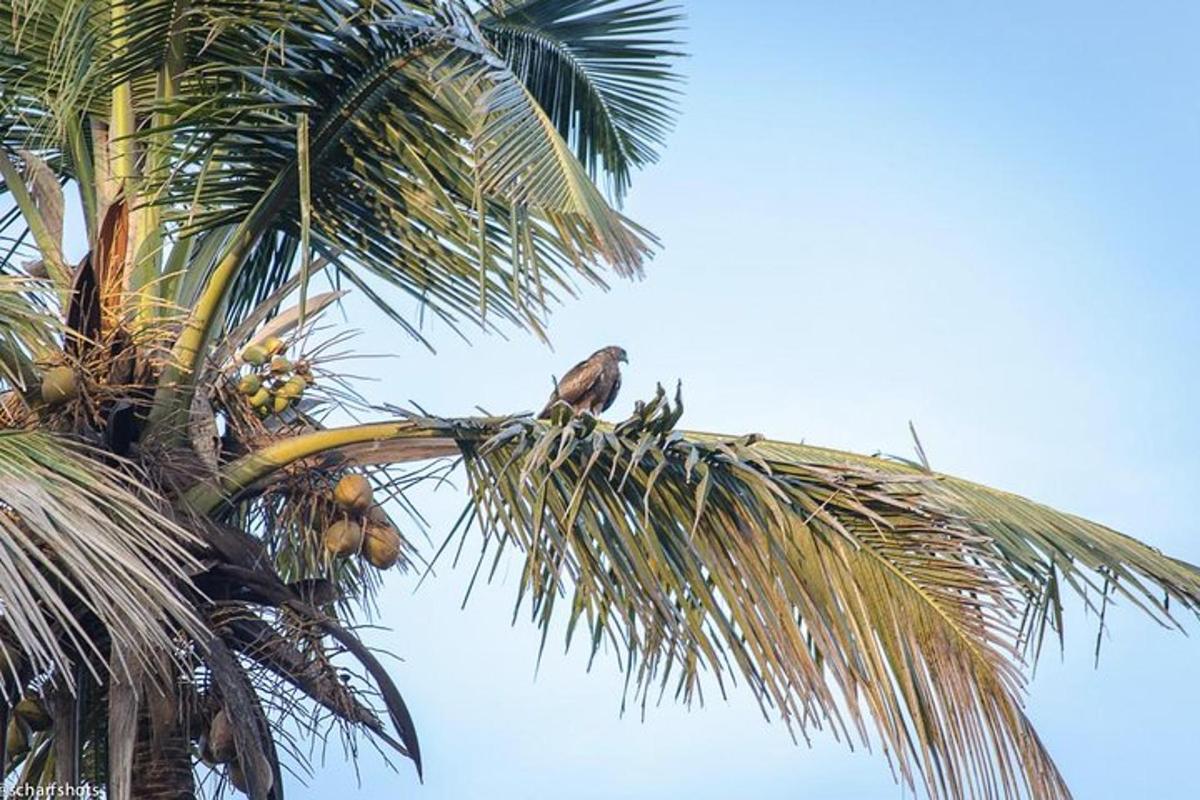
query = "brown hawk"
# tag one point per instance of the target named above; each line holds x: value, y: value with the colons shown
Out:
x: 591, y: 385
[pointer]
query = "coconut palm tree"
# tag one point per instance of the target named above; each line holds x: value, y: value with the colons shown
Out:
x: 186, y: 537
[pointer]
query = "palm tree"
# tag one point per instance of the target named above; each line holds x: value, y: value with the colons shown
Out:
x: 186, y: 541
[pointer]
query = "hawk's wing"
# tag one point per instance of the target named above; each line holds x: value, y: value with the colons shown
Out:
x: 576, y: 385
x: 613, y: 389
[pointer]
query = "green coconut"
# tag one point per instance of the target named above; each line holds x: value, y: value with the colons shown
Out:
x: 255, y: 355
x: 293, y: 387
x: 381, y: 545
x: 280, y: 403
x: 260, y: 398
x: 275, y: 346
x: 249, y: 384
x: 344, y: 538
x: 59, y: 385
x: 354, y: 492
x: 280, y: 365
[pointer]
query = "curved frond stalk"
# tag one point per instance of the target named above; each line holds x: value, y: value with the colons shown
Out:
x: 603, y: 70
x: 80, y: 539
x: 268, y: 590
x: 277, y: 648
x: 399, y: 441
x: 846, y: 591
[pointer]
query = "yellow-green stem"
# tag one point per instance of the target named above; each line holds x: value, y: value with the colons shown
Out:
x: 123, y: 122
x: 248, y: 470
x: 302, y: 156
x: 122, y: 127
x: 141, y: 252
x: 173, y: 386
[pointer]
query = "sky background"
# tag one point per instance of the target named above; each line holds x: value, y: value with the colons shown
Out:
x: 980, y: 217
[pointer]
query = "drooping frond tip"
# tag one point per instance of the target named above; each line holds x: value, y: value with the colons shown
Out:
x: 1046, y: 555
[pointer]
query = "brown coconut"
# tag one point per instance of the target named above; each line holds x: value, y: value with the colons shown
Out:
x: 237, y: 775
x: 353, y: 492
x: 344, y: 538
x: 238, y: 778
x: 220, y: 739
x: 16, y: 738
x: 33, y: 713
x: 381, y: 545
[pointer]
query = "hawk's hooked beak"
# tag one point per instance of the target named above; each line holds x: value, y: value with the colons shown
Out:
x: 624, y: 359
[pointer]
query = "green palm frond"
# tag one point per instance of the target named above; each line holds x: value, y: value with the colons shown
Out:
x: 524, y: 159
x: 601, y: 69
x: 27, y: 329
x: 455, y: 152
x: 79, y: 541
x: 49, y: 54
x: 409, y: 181
x: 840, y: 589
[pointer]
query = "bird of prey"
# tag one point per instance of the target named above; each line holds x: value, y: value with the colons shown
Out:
x: 591, y: 385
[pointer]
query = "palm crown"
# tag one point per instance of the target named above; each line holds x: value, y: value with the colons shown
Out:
x: 184, y: 542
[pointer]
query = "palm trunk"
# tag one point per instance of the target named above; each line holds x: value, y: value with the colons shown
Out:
x: 162, y: 756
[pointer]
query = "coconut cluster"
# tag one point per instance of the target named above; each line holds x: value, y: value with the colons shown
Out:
x: 273, y: 383
x: 365, y: 529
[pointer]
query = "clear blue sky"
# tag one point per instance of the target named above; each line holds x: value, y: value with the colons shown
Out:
x: 983, y: 219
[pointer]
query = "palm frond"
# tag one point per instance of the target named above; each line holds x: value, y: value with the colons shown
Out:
x: 524, y: 159
x: 603, y: 70
x: 401, y: 187
x: 27, y: 328
x: 86, y: 559
x: 50, y: 51
x: 839, y: 589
